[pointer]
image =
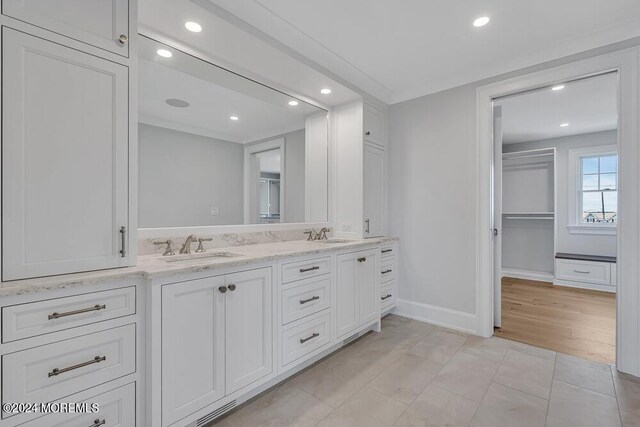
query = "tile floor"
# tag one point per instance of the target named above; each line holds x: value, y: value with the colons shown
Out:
x: 417, y: 374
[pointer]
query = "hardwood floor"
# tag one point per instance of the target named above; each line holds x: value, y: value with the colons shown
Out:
x: 577, y: 322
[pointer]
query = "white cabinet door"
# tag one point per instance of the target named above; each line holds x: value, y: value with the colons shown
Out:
x: 369, y: 279
x: 249, y: 327
x: 373, y: 125
x: 64, y: 159
x: 193, y: 346
x: 346, y: 294
x: 101, y: 23
x: 373, y: 190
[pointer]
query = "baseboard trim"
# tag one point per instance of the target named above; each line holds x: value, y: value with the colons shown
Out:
x: 539, y: 276
x: 589, y: 286
x: 446, y: 317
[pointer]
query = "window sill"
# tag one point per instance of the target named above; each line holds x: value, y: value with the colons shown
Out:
x: 606, y: 230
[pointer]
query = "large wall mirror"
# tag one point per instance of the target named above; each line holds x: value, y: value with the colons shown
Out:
x: 216, y: 148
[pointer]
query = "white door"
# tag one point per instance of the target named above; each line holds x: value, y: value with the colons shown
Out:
x: 64, y: 159
x: 101, y: 23
x: 193, y: 346
x: 373, y: 190
x: 249, y: 327
x: 369, y: 285
x: 497, y: 216
x: 347, y: 318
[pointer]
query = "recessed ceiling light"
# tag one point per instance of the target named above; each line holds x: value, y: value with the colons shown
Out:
x: 234, y: 118
x: 481, y: 22
x: 325, y: 91
x: 564, y: 125
x: 178, y: 103
x: 194, y: 27
x: 164, y: 53
x: 293, y: 103
x: 559, y: 87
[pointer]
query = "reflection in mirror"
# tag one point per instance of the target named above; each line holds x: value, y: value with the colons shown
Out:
x: 216, y: 148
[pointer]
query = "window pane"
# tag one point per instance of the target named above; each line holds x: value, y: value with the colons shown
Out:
x: 607, y: 181
x: 600, y: 207
x: 590, y: 182
x: 608, y: 164
x: 589, y: 165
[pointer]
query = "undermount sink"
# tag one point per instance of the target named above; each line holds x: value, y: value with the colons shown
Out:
x: 195, y: 257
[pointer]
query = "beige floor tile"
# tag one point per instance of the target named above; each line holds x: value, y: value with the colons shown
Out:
x: 489, y: 348
x: 574, y: 406
x: 386, y: 348
x: 406, y: 378
x: 436, y: 407
x: 534, y: 351
x: 289, y: 407
x: 584, y: 373
x: 405, y: 326
x: 628, y: 393
x: 630, y: 419
x: 248, y: 409
x: 438, y: 346
x: 526, y: 373
x: 467, y: 375
x: 505, y: 407
x: 366, y: 408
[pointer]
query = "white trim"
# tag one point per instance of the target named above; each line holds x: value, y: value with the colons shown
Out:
x: 625, y: 62
x: 581, y: 285
x: 446, y: 317
x: 539, y: 276
x: 260, y: 147
x: 575, y: 226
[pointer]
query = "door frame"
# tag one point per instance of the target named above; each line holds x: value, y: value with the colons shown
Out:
x: 625, y: 63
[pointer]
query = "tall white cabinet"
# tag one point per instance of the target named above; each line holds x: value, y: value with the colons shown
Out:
x: 67, y: 104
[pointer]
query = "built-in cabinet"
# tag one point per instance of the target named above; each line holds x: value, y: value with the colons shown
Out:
x: 373, y: 190
x: 66, y: 136
x: 216, y: 339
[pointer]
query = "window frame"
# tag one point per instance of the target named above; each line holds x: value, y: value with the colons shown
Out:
x: 575, y: 191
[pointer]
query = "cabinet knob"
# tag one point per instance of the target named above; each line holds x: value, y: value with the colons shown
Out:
x: 232, y: 288
x: 222, y: 289
x: 367, y: 133
x: 123, y: 39
x: 363, y: 259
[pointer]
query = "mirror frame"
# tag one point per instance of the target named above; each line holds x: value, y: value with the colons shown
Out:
x: 166, y: 232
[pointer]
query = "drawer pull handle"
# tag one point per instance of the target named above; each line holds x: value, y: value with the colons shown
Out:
x: 95, y: 360
x: 387, y: 271
x: 385, y: 297
x: 97, y: 422
x: 304, y: 340
x: 96, y: 307
x: 304, y: 270
x: 581, y: 271
x: 313, y: 298
x: 363, y: 259
x: 384, y: 251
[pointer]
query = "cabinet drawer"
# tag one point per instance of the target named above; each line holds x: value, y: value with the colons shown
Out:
x: 387, y: 296
x: 302, y: 339
x: 312, y: 296
x: 117, y: 409
x: 52, y: 371
x: 303, y: 269
x: 387, y: 251
x: 583, y: 271
x: 387, y: 270
x: 43, y: 317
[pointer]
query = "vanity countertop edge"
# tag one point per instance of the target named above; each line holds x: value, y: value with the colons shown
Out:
x: 154, y: 267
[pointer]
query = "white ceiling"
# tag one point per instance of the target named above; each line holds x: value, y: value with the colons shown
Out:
x: 398, y: 50
x: 588, y: 106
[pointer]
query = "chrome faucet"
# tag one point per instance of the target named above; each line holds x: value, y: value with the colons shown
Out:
x: 186, y: 248
x: 312, y: 235
x: 322, y: 234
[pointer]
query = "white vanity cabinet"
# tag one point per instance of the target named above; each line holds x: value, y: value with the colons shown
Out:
x: 217, y: 337
x: 373, y: 129
x: 101, y: 23
x: 357, y: 291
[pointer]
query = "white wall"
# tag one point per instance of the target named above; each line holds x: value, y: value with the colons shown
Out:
x: 182, y: 175
x: 432, y: 190
x: 295, y: 163
x: 567, y: 242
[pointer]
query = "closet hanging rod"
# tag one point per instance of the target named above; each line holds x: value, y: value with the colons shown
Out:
x: 530, y: 217
x: 524, y: 156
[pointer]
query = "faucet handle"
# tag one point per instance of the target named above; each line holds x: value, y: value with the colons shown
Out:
x: 200, y: 247
x: 310, y: 233
x: 168, y: 251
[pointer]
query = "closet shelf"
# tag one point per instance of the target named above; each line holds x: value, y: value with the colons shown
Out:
x: 528, y: 213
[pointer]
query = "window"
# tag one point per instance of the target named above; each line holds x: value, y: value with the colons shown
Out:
x: 599, y: 196
x: 593, y: 190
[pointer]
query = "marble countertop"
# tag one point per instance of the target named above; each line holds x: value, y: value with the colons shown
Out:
x: 156, y: 266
